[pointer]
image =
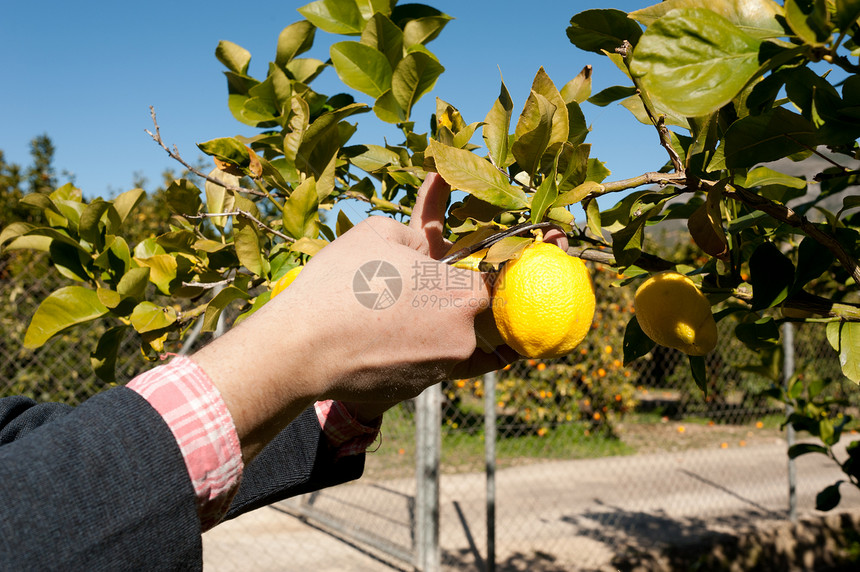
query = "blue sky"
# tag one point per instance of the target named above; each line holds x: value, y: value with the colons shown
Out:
x: 86, y: 74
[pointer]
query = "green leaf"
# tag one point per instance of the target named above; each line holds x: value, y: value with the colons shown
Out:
x: 124, y: 204
x: 543, y: 85
x: 771, y: 276
x: 759, y: 334
x: 246, y: 241
x: 827, y: 432
x: 544, y: 198
x: 148, y: 317
x: 183, y: 197
x: 323, y: 139
x: 695, y: 61
x: 761, y: 176
x: 424, y: 30
x: 295, y: 39
x: 813, y: 259
x: 229, y: 150
x: 597, y: 171
x: 593, y: 219
x: 234, y: 57
x: 636, y: 343
x: 64, y: 308
x: 627, y: 242
x: 533, y: 132
x: 767, y: 137
x: 387, y: 109
x: 362, y: 68
x: 573, y: 169
x: 757, y: 18
x: 463, y: 170
x: 700, y: 372
x: 809, y: 20
x: 578, y: 89
x: 828, y: 498
x: 578, y: 193
x: 334, y: 16
x: 343, y: 223
x: 384, y: 36
x: 414, y: 76
x: 69, y: 260
x: 300, y: 211
x: 133, y: 283
x: 162, y: 270
x: 496, y: 127
x: 103, y: 359
x: 602, y: 30
x: 217, y: 305
x: 799, y: 449
x: 845, y: 339
x: 219, y: 199
x: 611, y: 94
x: 90, y: 228
x: 847, y: 13
x: 373, y: 158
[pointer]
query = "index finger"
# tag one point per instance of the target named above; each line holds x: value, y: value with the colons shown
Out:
x: 428, y: 214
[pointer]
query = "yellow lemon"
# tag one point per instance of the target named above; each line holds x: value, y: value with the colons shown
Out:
x: 543, y: 302
x: 285, y: 280
x: 674, y: 313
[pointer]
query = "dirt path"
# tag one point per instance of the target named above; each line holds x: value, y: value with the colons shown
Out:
x: 553, y: 516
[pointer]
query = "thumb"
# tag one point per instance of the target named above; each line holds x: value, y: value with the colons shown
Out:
x: 428, y: 215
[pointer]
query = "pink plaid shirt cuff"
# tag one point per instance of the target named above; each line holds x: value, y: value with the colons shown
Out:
x: 195, y: 412
x: 343, y: 431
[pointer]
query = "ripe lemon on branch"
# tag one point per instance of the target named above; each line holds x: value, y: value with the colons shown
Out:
x: 543, y: 302
x: 674, y: 313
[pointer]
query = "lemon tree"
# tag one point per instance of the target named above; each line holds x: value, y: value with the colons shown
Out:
x: 756, y: 104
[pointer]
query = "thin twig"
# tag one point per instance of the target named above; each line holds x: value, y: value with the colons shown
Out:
x: 247, y: 215
x: 379, y: 203
x: 208, y: 285
x: 174, y: 154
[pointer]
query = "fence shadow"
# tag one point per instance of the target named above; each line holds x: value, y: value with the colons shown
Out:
x: 625, y: 531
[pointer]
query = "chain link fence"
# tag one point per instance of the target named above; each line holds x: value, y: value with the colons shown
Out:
x: 591, y: 460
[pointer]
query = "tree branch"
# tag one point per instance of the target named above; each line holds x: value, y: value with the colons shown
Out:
x: 785, y: 214
x: 174, y: 154
x: 247, y: 215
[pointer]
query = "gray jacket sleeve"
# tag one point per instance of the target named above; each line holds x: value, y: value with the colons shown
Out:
x: 103, y: 486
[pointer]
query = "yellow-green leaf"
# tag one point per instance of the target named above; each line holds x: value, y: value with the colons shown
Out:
x: 465, y: 171
x: 148, y: 317
x: 66, y: 307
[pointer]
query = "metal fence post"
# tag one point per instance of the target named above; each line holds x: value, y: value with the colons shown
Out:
x: 428, y: 447
x: 787, y: 374
x: 490, y: 459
